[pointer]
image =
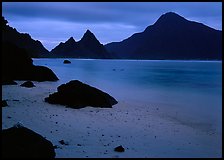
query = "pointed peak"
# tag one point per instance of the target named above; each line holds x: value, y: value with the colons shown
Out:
x: 170, y: 17
x: 71, y: 39
x: 89, y: 37
x: 89, y: 33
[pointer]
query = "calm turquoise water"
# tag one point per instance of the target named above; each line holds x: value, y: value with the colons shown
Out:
x: 191, y: 88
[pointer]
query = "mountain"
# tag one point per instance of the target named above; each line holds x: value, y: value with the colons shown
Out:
x: 23, y: 40
x: 171, y: 37
x: 87, y: 47
x: 68, y: 47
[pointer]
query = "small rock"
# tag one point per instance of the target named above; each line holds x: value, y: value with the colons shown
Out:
x: 66, y: 61
x: 119, y: 149
x: 28, y: 84
x: 79, y: 145
x: 63, y: 142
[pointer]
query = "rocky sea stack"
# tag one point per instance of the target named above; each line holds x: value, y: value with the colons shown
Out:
x: 76, y: 94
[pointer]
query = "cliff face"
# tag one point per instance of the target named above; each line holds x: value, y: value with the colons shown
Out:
x: 33, y: 47
x: 87, y: 47
x: 171, y: 37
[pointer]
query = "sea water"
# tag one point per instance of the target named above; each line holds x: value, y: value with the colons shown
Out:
x: 187, y: 91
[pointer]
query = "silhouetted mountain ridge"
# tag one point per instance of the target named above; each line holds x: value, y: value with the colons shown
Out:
x: 171, y: 37
x: 23, y: 40
x: 87, y: 47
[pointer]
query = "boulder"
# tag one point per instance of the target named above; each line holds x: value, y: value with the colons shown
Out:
x: 66, y: 61
x: 41, y: 73
x: 28, y: 84
x: 119, y: 149
x: 21, y: 142
x: 76, y: 94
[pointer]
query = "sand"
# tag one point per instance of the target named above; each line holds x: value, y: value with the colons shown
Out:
x: 144, y: 130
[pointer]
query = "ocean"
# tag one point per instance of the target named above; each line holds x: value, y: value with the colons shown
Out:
x: 186, y: 91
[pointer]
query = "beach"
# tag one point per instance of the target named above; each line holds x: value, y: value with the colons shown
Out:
x: 144, y: 130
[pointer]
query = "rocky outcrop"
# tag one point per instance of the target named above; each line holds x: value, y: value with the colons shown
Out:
x: 17, y: 65
x: 28, y: 84
x: 41, y: 73
x: 21, y: 142
x: 76, y: 94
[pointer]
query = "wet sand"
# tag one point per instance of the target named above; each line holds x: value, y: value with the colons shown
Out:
x: 144, y: 130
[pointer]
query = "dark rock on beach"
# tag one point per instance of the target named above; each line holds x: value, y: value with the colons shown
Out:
x: 41, y: 73
x: 63, y: 142
x: 28, y: 84
x: 76, y: 94
x: 119, y: 149
x: 66, y: 61
x: 17, y: 65
x: 21, y: 142
x: 4, y: 103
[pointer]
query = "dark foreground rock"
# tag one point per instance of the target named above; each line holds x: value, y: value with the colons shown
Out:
x: 41, y: 73
x: 4, y: 103
x: 66, y: 61
x: 119, y: 149
x: 21, y: 142
x: 28, y: 84
x: 76, y: 94
x: 17, y: 65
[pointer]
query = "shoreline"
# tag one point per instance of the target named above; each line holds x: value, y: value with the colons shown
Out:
x: 143, y: 130
x: 147, y: 60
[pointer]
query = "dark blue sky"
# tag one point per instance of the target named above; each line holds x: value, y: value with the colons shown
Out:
x: 55, y: 22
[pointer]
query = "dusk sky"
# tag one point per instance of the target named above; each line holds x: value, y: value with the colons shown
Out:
x: 55, y: 22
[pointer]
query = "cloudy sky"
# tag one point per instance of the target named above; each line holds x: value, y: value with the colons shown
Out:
x: 55, y: 22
